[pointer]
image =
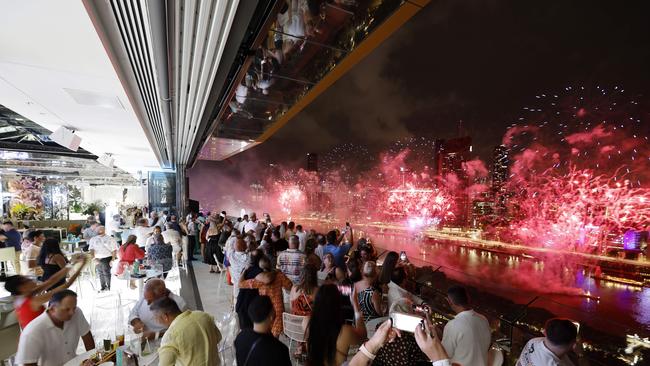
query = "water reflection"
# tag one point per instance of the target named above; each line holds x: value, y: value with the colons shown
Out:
x: 562, y: 288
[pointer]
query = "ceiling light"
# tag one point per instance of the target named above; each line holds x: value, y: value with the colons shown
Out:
x: 94, y: 99
x: 106, y: 160
x: 66, y: 138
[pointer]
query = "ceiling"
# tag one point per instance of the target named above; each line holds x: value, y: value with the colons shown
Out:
x: 160, y: 84
x: 55, y: 71
x: 27, y: 150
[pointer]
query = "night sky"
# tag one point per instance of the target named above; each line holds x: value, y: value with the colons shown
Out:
x: 475, y: 61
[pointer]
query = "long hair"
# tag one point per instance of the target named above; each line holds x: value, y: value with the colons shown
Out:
x: 308, y: 279
x: 50, y: 246
x: 158, y: 239
x: 387, y: 268
x: 132, y: 239
x: 324, y: 326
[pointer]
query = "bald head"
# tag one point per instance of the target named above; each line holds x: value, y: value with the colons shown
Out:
x: 154, y: 289
x: 294, y: 242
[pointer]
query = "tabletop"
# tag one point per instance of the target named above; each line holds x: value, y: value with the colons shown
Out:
x: 150, y: 360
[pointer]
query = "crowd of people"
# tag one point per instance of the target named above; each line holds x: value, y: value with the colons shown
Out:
x: 347, y: 302
x: 343, y: 295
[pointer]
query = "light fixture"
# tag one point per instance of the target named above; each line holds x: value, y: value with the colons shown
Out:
x: 106, y: 160
x: 66, y: 138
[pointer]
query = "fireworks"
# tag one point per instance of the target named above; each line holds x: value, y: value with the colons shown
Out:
x: 290, y: 198
x: 580, y: 169
x: 578, y: 210
x: 420, y: 207
x: 579, y: 176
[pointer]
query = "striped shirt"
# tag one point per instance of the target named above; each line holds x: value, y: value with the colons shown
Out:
x: 291, y: 262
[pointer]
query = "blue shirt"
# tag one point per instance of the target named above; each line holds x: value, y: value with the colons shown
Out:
x: 339, y: 252
x: 13, y: 239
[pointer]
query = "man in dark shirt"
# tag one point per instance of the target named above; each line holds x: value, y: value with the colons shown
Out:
x: 258, y: 346
x: 173, y: 223
x: 279, y: 243
x: 14, y: 239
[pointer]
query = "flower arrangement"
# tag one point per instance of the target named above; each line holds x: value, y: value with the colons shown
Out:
x: 27, y: 200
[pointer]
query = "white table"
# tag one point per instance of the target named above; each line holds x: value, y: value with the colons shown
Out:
x: 150, y: 273
x: 150, y: 360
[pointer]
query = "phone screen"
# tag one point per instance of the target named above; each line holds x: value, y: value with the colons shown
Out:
x: 402, y: 255
x: 345, y: 290
x: 406, y: 322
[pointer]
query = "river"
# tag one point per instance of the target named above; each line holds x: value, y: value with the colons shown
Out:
x: 621, y: 309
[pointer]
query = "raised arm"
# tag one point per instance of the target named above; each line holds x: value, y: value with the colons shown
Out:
x: 52, y: 280
x: 45, y: 297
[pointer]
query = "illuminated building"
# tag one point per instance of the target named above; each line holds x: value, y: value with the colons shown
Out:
x: 449, y: 159
x: 312, y: 162
x: 500, y: 172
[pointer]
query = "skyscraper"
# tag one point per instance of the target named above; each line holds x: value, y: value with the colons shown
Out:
x: 449, y: 159
x: 312, y: 162
x: 500, y: 173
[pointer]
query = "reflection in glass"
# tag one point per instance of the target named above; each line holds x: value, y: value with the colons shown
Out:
x: 307, y: 40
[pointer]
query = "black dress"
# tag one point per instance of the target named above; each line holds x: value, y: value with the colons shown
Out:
x: 212, y: 248
x: 245, y: 297
x: 49, y: 270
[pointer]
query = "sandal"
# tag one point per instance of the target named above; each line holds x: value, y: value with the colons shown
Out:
x: 212, y: 271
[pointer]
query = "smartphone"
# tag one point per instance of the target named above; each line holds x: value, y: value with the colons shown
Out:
x: 345, y: 289
x: 424, y: 308
x: 406, y: 322
x: 402, y: 255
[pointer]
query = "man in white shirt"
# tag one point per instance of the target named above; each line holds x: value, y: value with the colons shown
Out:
x: 163, y: 219
x: 292, y: 261
x: 142, y: 232
x: 302, y: 237
x: 142, y: 319
x: 553, y: 349
x: 319, y: 251
x: 103, y: 248
x: 52, y: 338
x: 242, y: 224
x: 173, y: 237
x: 113, y: 225
x: 467, y: 337
x: 255, y: 226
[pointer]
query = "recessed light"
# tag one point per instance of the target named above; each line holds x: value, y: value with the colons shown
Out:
x: 94, y: 99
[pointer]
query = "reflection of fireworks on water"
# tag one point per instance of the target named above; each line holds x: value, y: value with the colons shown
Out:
x: 580, y: 168
x: 421, y: 207
x: 290, y: 198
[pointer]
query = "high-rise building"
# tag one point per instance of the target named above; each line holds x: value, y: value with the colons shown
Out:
x: 449, y: 159
x: 312, y: 162
x: 500, y: 172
